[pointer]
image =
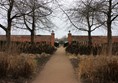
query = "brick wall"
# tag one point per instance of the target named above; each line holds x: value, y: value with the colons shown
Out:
x: 52, y: 38
x: 96, y: 40
x: 49, y: 39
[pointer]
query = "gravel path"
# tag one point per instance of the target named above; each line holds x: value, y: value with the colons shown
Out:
x: 57, y: 70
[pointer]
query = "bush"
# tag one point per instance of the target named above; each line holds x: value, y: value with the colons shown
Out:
x: 100, y: 69
x: 83, y: 49
x: 16, y: 66
x: 27, y: 47
x: 38, y: 49
x: 73, y: 48
x: 78, y: 48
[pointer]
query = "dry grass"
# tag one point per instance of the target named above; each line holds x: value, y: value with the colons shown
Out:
x: 99, y: 69
x: 19, y: 67
x: 16, y: 66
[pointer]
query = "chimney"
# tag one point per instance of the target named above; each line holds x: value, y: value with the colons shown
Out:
x: 52, y: 38
x: 69, y: 37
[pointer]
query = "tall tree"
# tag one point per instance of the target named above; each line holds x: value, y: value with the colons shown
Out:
x: 108, y: 13
x: 38, y: 16
x: 83, y: 17
x: 9, y: 14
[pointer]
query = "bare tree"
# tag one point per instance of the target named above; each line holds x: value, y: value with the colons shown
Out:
x: 37, y: 18
x: 83, y: 17
x: 8, y: 14
x: 108, y: 13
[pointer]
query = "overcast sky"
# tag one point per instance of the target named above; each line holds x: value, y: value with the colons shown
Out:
x: 62, y: 25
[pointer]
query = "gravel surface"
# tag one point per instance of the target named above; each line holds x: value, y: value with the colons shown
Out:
x: 57, y: 70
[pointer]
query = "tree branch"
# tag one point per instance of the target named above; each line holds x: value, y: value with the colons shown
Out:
x: 26, y: 23
x: 70, y: 19
x: 96, y: 28
x: 16, y: 16
x: 3, y: 27
x: 114, y: 5
x: 114, y: 18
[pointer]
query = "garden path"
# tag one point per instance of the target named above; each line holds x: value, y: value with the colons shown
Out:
x: 57, y: 70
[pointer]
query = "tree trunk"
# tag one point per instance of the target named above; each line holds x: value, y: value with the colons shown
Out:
x: 9, y: 21
x: 89, y: 39
x: 109, y: 40
x: 109, y: 31
x: 89, y: 42
x: 32, y: 37
x: 8, y: 32
x: 8, y: 37
x: 89, y: 36
x: 33, y: 26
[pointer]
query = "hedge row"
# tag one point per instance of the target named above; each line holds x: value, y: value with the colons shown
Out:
x: 77, y: 48
x: 27, y: 47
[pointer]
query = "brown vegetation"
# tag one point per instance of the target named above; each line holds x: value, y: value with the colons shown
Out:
x: 21, y: 62
x: 99, y: 69
x: 16, y: 66
x: 21, y: 68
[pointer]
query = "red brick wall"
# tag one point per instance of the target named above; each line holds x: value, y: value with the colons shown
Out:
x: 69, y: 37
x: 97, y: 40
x: 49, y: 39
x: 52, y: 38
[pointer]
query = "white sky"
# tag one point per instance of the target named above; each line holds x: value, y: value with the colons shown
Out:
x: 62, y: 30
